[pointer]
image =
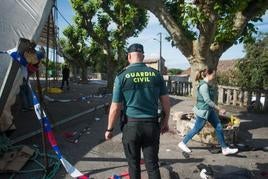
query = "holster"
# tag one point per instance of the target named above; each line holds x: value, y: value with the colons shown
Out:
x: 161, y: 116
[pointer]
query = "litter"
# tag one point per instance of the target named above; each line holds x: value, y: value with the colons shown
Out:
x: 75, y: 136
x: 82, y: 98
x: 265, y: 174
x: 214, y: 150
x: 123, y: 175
x: 186, y: 155
x: 208, y: 169
x: 203, y: 174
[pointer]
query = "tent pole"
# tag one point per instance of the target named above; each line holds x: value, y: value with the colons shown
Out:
x: 47, y: 59
x: 54, y: 46
x: 39, y: 89
x: 56, y: 35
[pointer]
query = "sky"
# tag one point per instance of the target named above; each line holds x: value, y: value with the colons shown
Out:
x: 150, y: 39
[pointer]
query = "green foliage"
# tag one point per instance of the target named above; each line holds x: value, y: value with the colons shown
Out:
x: 98, y: 62
x: 251, y: 73
x: 108, y: 23
x: 187, y: 16
x: 191, y: 18
x: 74, y: 44
x: 228, y: 78
x: 174, y: 71
x: 254, y: 68
x: 52, y: 67
x: 79, y: 52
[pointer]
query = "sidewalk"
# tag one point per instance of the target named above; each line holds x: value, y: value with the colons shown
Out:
x: 101, y: 159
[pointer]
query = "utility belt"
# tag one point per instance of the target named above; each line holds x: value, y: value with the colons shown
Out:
x: 153, y: 120
x: 124, y: 119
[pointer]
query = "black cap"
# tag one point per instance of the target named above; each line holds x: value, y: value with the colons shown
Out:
x: 135, y: 48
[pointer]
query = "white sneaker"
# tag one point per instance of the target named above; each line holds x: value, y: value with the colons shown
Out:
x: 183, y: 147
x: 228, y: 151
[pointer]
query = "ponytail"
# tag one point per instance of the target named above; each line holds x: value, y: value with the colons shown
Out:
x: 201, y: 74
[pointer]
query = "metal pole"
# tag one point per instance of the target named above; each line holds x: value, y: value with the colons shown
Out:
x: 160, y: 44
x: 160, y: 56
x: 39, y: 89
x: 160, y: 51
x: 47, y: 60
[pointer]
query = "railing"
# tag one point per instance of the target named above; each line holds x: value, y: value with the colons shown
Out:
x: 237, y: 97
x: 179, y: 88
x: 227, y: 95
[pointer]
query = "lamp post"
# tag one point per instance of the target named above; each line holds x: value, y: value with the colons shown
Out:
x: 160, y: 52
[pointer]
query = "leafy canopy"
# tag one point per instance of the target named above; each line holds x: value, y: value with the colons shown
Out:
x: 109, y: 22
x: 254, y: 68
x: 193, y: 18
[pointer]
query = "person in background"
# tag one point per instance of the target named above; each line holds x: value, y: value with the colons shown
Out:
x: 65, y: 77
x: 205, y: 110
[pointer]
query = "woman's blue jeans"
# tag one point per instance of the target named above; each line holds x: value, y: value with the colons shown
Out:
x: 214, y: 120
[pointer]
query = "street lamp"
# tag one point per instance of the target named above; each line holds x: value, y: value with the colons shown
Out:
x: 160, y: 52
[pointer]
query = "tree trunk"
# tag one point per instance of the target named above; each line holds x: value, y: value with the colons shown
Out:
x: 74, y: 71
x: 111, y: 71
x: 84, y: 74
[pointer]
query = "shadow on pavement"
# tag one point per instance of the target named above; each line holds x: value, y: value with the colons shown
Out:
x: 230, y: 171
x: 253, y: 122
x: 174, y: 101
x: 262, y: 171
x: 91, y: 172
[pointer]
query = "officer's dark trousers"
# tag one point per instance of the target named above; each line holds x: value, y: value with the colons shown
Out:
x: 145, y: 136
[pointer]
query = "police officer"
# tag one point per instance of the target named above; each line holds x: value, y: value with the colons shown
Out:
x: 137, y: 90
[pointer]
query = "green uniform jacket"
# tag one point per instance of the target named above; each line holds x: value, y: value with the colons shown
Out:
x: 139, y: 88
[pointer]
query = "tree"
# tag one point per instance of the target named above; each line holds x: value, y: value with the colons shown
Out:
x: 228, y: 78
x: 253, y: 69
x: 109, y: 23
x: 174, y: 71
x: 74, y: 45
x: 203, y: 29
x: 52, y: 67
x: 97, y: 55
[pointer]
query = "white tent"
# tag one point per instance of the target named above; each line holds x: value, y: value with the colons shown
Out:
x: 18, y: 19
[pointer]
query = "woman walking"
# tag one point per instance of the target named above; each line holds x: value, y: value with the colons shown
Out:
x: 205, y: 111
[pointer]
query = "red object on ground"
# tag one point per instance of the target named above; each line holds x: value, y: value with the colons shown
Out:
x: 68, y: 134
x: 141, y: 161
x: 83, y: 177
x: 265, y: 174
x: 125, y: 175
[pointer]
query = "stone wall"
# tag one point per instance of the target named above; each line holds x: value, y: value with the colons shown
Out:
x: 185, y: 122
